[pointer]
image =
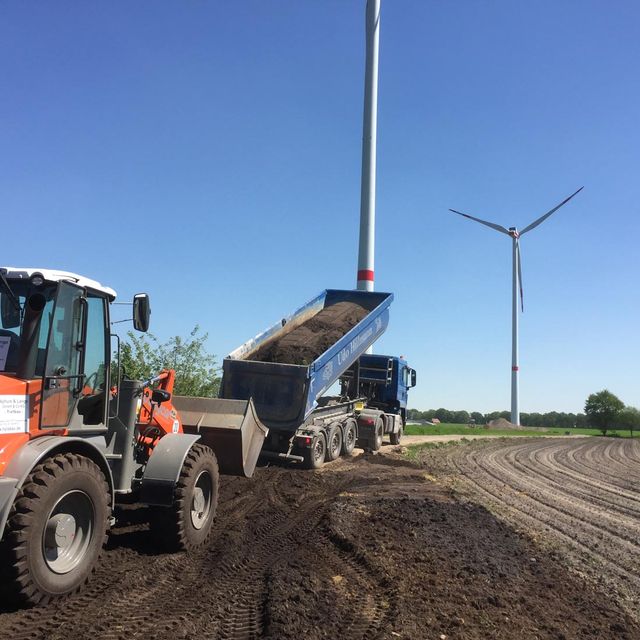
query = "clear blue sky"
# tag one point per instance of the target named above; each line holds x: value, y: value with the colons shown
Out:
x: 209, y: 153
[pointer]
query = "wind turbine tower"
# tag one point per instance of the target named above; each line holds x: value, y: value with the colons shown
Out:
x: 516, y: 291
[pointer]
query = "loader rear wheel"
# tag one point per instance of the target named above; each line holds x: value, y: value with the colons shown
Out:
x: 349, y: 437
x: 334, y: 442
x: 186, y: 524
x: 56, y: 530
x: 314, y: 456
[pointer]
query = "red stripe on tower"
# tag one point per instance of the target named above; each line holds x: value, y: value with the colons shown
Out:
x: 515, y: 368
x: 365, y: 274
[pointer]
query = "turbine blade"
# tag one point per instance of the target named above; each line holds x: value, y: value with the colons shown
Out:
x: 519, y: 259
x: 497, y: 227
x: 541, y: 219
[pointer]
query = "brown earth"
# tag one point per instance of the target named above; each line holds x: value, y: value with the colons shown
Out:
x: 578, y: 497
x: 366, y: 548
x: 307, y: 341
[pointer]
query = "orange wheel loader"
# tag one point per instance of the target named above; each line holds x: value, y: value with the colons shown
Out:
x: 75, y: 438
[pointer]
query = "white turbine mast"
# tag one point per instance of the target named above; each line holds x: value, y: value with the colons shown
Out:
x: 516, y: 290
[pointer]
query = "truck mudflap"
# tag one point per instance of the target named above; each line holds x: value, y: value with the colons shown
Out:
x: 230, y: 427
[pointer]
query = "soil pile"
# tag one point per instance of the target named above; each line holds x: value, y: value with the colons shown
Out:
x: 306, y: 342
x: 366, y: 548
x: 501, y: 423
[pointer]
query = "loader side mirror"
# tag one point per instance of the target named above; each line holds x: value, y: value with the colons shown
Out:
x: 10, y: 315
x: 413, y: 377
x: 160, y: 395
x: 141, y: 312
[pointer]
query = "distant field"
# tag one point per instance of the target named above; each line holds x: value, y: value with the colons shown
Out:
x: 463, y: 429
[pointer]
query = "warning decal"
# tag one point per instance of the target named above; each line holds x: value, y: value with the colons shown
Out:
x: 14, y: 414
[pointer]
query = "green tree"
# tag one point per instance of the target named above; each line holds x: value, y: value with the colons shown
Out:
x: 602, y: 409
x: 478, y: 417
x: 629, y: 418
x: 143, y: 357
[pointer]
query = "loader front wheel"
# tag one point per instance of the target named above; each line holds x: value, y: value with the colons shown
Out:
x: 187, y: 523
x: 56, y: 529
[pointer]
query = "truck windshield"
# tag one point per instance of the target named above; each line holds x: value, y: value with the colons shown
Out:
x: 11, y: 321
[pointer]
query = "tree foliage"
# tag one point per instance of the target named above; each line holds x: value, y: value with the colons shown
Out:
x: 602, y: 409
x: 629, y: 418
x: 143, y: 357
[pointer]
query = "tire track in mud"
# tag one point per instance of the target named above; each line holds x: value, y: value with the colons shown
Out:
x: 582, y: 495
x: 223, y: 591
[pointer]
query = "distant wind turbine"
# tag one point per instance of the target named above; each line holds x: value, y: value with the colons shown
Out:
x: 517, y: 287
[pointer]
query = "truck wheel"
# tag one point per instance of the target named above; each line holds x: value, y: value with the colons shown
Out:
x: 334, y: 442
x: 396, y: 437
x: 349, y: 437
x: 377, y: 436
x: 186, y: 524
x: 314, y: 455
x: 56, y: 529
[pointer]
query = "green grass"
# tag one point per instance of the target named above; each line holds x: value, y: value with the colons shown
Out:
x: 465, y: 430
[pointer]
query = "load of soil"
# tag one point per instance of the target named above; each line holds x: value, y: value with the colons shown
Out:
x: 501, y: 423
x: 367, y: 548
x: 309, y: 340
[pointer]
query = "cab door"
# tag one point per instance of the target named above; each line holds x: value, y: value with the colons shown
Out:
x: 63, y: 377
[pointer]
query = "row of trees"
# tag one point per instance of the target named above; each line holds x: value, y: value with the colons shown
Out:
x: 603, y: 410
x: 550, y: 419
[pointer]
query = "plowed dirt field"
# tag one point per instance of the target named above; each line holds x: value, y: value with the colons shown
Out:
x: 370, y: 547
x: 579, y: 497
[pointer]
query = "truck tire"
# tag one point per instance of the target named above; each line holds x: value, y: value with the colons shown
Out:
x: 334, y: 442
x: 376, y: 442
x: 56, y: 530
x: 186, y: 524
x: 314, y: 456
x: 396, y: 437
x: 349, y: 437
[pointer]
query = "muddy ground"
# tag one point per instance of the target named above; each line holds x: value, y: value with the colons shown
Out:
x: 370, y: 547
x: 306, y: 342
x: 579, y: 498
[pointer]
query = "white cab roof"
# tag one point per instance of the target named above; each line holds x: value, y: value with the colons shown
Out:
x: 53, y: 275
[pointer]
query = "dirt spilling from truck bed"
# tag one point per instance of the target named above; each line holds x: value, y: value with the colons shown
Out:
x: 366, y: 548
x: 306, y: 342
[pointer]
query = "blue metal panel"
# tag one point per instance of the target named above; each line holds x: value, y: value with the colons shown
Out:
x: 285, y: 394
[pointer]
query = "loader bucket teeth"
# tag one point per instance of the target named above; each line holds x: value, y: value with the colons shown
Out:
x: 230, y: 427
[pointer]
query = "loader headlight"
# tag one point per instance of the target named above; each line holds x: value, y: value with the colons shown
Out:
x: 37, y: 279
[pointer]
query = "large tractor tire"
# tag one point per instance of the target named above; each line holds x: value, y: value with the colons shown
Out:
x: 349, y: 437
x: 314, y: 456
x: 334, y: 442
x: 56, y: 530
x: 186, y: 524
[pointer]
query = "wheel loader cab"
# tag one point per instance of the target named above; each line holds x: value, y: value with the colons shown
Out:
x: 55, y: 339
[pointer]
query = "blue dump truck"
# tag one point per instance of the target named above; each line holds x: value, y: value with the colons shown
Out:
x: 285, y: 375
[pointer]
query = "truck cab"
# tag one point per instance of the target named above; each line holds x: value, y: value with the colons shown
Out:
x: 385, y: 381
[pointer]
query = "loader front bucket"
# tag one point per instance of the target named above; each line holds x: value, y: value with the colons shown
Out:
x: 230, y: 427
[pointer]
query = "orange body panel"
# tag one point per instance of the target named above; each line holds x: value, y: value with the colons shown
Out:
x: 10, y: 443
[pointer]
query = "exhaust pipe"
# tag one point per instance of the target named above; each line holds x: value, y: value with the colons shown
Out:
x: 28, y: 353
